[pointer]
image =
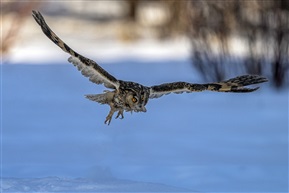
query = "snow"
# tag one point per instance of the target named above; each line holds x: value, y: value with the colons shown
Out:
x: 208, y: 142
x: 111, y: 50
x: 56, y: 184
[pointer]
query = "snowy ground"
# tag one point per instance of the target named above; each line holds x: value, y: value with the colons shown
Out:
x: 56, y: 184
x: 207, y: 142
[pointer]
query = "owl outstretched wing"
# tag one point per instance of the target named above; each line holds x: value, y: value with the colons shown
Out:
x: 236, y: 84
x: 88, y: 68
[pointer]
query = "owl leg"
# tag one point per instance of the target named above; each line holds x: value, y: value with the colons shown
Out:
x: 120, y: 113
x: 109, y: 116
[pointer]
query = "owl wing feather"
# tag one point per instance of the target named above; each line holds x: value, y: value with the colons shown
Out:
x: 232, y: 85
x: 88, y: 68
x: 174, y: 87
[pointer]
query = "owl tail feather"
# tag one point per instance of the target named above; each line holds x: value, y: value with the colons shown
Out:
x: 236, y: 84
x: 104, y: 98
x: 100, y: 98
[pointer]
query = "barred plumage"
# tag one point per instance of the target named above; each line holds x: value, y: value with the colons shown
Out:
x: 132, y: 96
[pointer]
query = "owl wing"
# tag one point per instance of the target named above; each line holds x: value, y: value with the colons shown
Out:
x: 236, y: 84
x: 88, y: 68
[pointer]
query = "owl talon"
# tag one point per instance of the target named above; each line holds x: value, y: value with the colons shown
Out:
x: 109, y: 116
x: 107, y: 120
x: 120, y: 113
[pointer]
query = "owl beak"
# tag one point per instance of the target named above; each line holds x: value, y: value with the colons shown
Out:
x: 144, y: 109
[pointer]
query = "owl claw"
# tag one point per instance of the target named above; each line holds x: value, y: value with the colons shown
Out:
x: 120, y: 113
x: 107, y: 120
x: 109, y: 116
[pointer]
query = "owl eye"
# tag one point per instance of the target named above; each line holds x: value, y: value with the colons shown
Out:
x: 134, y: 99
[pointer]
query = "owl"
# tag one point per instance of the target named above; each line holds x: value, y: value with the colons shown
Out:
x: 126, y: 96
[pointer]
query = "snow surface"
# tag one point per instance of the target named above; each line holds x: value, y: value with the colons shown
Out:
x: 209, y: 142
x: 56, y: 184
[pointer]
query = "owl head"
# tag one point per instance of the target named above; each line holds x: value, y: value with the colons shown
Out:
x: 136, y: 97
x: 136, y: 101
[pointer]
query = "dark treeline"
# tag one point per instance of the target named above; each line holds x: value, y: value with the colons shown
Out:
x: 262, y: 27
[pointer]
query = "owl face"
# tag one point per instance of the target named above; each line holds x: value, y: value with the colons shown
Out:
x: 136, y: 101
x: 136, y: 96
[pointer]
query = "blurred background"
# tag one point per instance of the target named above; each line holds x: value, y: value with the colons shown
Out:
x: 223, y: 38
x: 208, y: 142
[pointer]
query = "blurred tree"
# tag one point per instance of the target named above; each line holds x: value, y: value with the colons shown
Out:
x: 261, y: 26
x: 132, y: 8
x: 229, y: 37
x: 13, y: 15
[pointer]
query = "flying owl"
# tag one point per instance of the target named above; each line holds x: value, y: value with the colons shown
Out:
x: 131, y: 96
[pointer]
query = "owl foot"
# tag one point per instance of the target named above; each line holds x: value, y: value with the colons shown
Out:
x: 107, y: 120
x: 120, y: 113
x: 109, y: 117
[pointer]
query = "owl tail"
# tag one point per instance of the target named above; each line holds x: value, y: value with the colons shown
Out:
x: 100, y: 98
x: 104, y: 98
x: 236, y: 84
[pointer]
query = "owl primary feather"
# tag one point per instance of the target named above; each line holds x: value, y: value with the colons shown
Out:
x: 132, y: 96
